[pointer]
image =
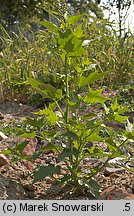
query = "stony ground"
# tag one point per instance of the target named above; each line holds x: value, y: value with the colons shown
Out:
x: 16, y: 179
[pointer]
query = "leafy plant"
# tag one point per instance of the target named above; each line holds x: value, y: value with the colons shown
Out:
x: 67, y: 127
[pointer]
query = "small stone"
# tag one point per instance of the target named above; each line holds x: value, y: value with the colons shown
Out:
x: 110, y: 171
x: 31, y: 147
x: 130, y: 197
x: 3, y: 160
x: 2, y: 136
x: 116, y: 160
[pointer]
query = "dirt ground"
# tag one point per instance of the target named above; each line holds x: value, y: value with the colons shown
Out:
x: 16, y: 179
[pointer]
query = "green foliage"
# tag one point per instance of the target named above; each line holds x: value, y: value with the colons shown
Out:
x: 110, y: 53
x: 33, y: 54
x: 66, y: 128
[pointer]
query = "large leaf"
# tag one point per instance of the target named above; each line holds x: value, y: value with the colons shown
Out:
x: 36, y: 123
x: 115, y: 106
x: 27, y: 134
x: 94, y: 188
x: 45, y: 171
x: 83, y: 81
x: 49, y: 147
x: 67, y: 153
x: 70, y: 134
x: 20, y: 147
x: 95, y: 97
x: 46, y: 90
x: 50, y: 26
x: 129, y: 135
x: 120, y: 118
x: 50, y: 116
x: 74, y: 19
x: 111, y: 144
x: 79, y: 31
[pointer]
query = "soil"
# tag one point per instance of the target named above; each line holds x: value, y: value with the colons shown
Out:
x: 16, y: 179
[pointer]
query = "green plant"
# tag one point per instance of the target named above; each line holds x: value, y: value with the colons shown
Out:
x: 67, y: 127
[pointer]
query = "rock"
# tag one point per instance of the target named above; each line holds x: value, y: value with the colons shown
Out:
x: 110, y: 170
x: 2, y: 136
x: 3, y: 160
x: 114, y: 193
x: 117, y: 160
x: 130, y: 197
x: 31, y: 147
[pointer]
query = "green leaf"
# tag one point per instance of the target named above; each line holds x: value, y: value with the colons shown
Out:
x: 94, y: 137
x: 88, y: 116
x: 20, y: 147
x: 46, y: 90
x: 67, y: 153
x: 83, y: 81
x: 58, y: 94
x: 36, y: 155
x: 129, y: 135
x: 27, y: 135
x: 111, y: 144
x: 94, y: 188
x: 48, y: 147
x: 50, y: 26
x: 35, y: 84
x: 115, y: 106
x: 120, y: 118
x: 51, y: 117
x: 70, y: 134
x: 36, y: 123
x: 78, y: 31
x: 66, y: 178
x: 66, y: 35
x: 7, y: 151
x: 73, y: 19
x: 45, y: 171
x: 95, y: 97
x: 73, y: 99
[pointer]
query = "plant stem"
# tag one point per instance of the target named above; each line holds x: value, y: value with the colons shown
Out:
x: 67, y: 91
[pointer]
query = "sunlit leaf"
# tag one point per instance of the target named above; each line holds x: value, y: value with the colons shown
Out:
x: 115, y: 106
x: 83, y: 81
x: 74, y: 19
x: 28, y: 134
x: 120, y: 118
x: 95, y: 96
x: 50, y: 26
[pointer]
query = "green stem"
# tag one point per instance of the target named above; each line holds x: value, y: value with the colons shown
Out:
x: 59, y: 108
x: 67, y: 107
x: 67, y: 91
